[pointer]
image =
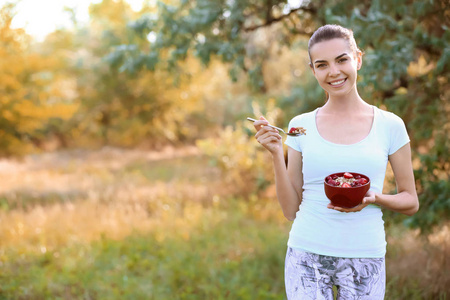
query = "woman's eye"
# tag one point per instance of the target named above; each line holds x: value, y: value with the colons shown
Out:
x: 320, y: 66
x: 342, y: 60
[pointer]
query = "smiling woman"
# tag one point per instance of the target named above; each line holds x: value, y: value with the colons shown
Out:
x: 346, y: 133
x: 39, y: 18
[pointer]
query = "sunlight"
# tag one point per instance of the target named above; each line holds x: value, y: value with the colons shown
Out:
x: 39, y: 18
x: 293, y: 4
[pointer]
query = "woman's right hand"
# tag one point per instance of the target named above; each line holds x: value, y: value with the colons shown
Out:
x: 268, y: 136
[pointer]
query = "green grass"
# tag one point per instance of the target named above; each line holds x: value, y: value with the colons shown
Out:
x: 219, y: 248
x: 26, y: 200
x: 235, y: 258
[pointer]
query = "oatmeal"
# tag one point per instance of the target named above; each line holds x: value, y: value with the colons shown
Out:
x: 299, y: 130
x: 347, y: 180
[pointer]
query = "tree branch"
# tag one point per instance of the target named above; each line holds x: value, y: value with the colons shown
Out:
x: 270, y: 20
x: 269, y: 16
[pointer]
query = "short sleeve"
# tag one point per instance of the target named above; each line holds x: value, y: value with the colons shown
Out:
x: 398, y: 134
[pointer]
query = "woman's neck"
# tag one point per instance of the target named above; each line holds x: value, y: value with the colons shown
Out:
x: 345, y: 104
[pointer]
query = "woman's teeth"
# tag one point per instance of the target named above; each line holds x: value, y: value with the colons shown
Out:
x: 337, y: 82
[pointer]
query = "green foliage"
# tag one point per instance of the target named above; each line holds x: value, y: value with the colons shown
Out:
x: 120, y: 103
x: 214, y: 29
x: 406, y: 71
x: 243, y: 164
x: 304, y: 96
x: 405, y: 67
x: 109, y: 83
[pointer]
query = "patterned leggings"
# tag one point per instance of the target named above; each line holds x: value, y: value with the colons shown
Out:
x: 310, y: 276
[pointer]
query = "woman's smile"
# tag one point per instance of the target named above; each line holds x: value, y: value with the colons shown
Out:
x: 338, y: 83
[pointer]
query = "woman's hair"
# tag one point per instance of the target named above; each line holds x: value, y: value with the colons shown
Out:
x: 332, y: 31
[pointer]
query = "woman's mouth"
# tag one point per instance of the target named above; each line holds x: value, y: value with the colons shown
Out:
x: 338, y: 83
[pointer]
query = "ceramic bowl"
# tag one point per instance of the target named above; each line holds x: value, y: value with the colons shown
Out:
x: 346, y: 196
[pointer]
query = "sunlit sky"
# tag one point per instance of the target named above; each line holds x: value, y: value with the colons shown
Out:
x: 41, y: 17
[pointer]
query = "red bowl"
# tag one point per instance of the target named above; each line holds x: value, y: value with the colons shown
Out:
x: 346, y: 196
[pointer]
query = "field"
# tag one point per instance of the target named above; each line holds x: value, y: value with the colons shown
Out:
x: 131, y: 224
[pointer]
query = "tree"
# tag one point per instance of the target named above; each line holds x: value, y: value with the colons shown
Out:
x: 411, y: 40
x: 218, y: 29
x: 123, y: 108
x: 406, y: 68
x: 31, y: 98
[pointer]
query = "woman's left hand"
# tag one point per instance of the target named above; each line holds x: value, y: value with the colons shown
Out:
x: 369, y: 198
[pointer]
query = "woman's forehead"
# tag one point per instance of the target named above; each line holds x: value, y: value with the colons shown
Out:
x: 330, y: 49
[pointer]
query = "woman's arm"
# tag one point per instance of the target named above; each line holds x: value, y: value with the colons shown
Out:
x: 288, y: 181
x: 406, y: 200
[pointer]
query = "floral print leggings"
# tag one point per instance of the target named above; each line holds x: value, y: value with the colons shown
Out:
x: 310, y: 276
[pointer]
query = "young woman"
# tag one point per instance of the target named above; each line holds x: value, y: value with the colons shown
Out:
x: 329, y: 245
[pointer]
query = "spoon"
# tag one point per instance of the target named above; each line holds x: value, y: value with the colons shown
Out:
x: 279, y: 129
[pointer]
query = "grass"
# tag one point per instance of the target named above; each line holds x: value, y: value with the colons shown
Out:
x: 119, y: 224
x: 210, y: 262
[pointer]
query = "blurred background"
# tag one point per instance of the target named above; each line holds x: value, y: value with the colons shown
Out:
x: 128, y: 170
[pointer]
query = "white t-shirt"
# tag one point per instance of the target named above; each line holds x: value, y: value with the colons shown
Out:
x: 324, y: 231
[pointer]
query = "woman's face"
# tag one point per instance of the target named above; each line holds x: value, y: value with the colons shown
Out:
x: 335, y: 66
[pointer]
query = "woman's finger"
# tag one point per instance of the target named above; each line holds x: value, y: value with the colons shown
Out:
x: 266, y: 130
x: 268, y: 140
x: 272, y: 136
x: 347, y: 210
x: 269, y: 137
x: 369, y: 197
x: 260, y: 123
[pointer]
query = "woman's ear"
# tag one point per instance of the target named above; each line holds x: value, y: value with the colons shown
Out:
x: 358, y: 60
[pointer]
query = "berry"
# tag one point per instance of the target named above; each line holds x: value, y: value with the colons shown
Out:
x: 348, y: 175
x: 328, y: 179
x: 362, y: 181
x: 333, y: 182
x: 346, y: 185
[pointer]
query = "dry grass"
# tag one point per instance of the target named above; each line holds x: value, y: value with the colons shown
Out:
x: 56, y: 199
x: 422, y: 260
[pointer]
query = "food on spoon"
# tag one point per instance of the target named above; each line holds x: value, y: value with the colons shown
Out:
x: 299, y: 130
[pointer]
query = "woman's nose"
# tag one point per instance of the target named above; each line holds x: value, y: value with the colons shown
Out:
x: 334, y: 70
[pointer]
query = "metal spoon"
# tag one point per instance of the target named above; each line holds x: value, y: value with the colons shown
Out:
x: 279, y: 129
